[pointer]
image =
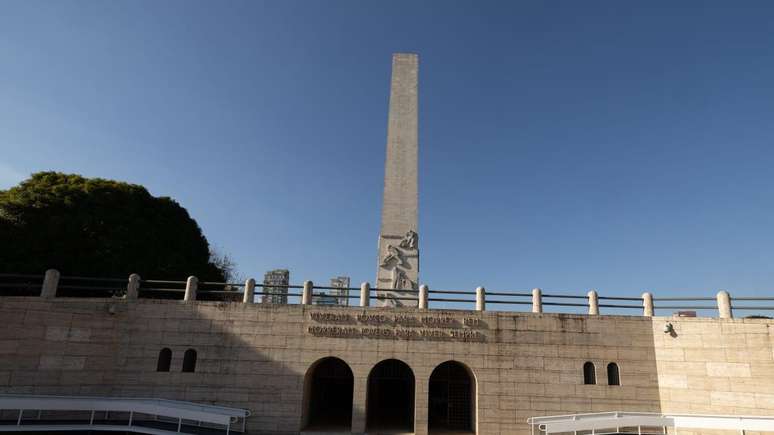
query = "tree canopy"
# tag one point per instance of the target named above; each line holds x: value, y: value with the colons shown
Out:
x: 102, y: 228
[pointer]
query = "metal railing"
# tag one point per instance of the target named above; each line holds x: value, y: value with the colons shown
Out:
x: 47, y: 414
x: 640, y: 423
x: 52, y: 284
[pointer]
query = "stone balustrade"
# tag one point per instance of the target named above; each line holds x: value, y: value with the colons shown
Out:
x: 592, y: 301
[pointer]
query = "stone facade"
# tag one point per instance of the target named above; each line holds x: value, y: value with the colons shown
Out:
x: 256, y: 356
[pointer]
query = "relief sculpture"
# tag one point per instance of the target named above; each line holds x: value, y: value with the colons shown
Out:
x: 410, y: 240
x: 401, y: 281
x: 393, y: 254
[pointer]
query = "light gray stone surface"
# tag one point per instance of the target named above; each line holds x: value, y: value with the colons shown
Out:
x: 257, y: 356
x: 191, y: 285
x: 398, y: 256
x: 724, y: 305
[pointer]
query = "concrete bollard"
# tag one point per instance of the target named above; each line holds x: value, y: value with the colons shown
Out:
x: 365, y: 294
x: 133, y: 287
x: 537, y: 300
x: 480, y: 299
x: 190, y: 288
x: 647, y: 305
x: 306, y: 296
x: 249, y: 292
x: 423, y: 292
x: 50, y: 284
x: 593, y: 303
x: 724, y: 305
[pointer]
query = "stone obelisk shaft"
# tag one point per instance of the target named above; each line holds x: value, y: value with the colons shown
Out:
x: 398, y: 267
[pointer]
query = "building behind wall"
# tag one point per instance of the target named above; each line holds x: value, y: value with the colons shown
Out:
x: 275, y: 285
x: 341, y: 290
x: 324, y: 299
x: 338, y: 294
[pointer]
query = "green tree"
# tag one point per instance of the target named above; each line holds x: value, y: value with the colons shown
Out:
x: 101, y: 228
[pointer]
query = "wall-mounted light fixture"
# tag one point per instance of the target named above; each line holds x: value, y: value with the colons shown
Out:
x: 668, y: 328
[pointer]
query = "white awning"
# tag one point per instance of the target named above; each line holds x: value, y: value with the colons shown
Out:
x: 611, y: 422
x: 169, y: 409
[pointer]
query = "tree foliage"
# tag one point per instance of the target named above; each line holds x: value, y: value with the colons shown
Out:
x: 97, y: 227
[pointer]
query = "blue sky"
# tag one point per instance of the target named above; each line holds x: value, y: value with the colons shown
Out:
x: 622, y: 146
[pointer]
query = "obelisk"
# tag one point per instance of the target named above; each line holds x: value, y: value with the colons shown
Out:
x: 398, y: 267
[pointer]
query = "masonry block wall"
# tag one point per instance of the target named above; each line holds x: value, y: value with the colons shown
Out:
x: 256, y: 357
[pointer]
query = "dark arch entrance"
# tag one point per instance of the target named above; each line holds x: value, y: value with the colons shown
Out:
x: 452, y: 391
x: 390, y: 400
x: 328, y: 395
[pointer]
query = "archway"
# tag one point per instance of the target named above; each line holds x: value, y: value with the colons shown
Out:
x: 589, y: 373
x: 328, y: 387
x: 390, y: 399
x: 613, y: 374
x: 451, y: 398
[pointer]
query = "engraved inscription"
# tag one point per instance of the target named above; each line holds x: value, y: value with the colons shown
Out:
x: 400, y: 326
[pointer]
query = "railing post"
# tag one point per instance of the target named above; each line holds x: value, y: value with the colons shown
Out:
x: 249, y: 292
x: 190, y: 288
x: 593, y: 303
x: 537, y: 300
x: 133, y: 287
x: 50, y: 284
x: 724, y: 305
x: 365, y: 294
x: 647, y: 305
x: 480, y: 299
x: 423, y: 291
x: 306, y: 296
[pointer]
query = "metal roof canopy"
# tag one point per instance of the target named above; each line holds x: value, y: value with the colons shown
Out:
x: 616, y: 420
x: 159, y: 407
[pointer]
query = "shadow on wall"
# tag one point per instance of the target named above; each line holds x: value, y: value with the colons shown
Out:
x: 260, y: 358
x: 205, y: 352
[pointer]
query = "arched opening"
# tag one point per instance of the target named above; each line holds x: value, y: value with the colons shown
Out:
x: 328, y: 387
x: 613, y: 375
x: 390, y: 398
x: 451, y: 399
x: 189, y: 361
x: 165, y: 360
x: 589, y: 373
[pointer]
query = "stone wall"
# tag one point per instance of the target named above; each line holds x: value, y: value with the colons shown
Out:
x: 256, y: 357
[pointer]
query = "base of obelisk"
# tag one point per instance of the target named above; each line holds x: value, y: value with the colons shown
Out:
x: 398, y: 270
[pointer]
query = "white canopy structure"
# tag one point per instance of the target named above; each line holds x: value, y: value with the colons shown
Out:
x: 645, y: 423
x: 41, y: 413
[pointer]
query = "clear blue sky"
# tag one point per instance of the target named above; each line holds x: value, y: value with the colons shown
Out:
x: 622, y: 146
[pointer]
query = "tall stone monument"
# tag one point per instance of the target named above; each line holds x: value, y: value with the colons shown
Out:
x: 398, y: 266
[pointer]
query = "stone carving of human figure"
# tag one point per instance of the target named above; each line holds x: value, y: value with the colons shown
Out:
x: 398, y: 277
x: 401, y: 281
x: 393, y: 253
x: 410, y: 240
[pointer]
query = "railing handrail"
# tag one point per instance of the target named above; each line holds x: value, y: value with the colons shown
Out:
x: 136, y: 287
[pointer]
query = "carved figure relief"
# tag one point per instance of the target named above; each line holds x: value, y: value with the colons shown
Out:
x: 400, y: 280
x: 410, y: 240
x: 395, y: 260
x: 393, y: 254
